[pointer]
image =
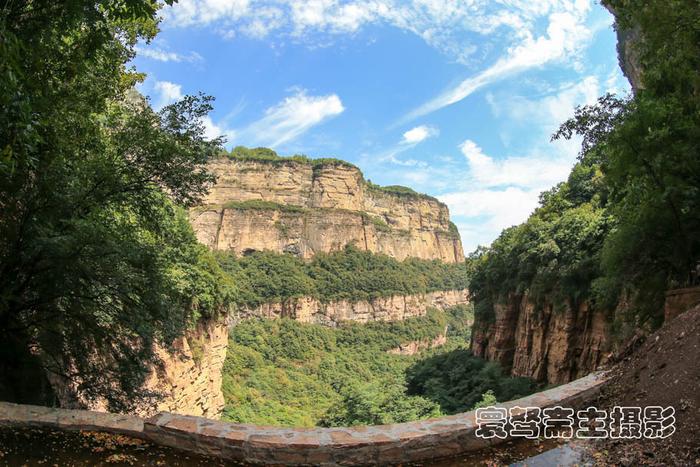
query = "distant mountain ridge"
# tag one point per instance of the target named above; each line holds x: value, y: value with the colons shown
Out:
x: 303, y: 206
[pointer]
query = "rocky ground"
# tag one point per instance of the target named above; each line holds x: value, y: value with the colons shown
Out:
x: 663, y: 371
x: 40, y: 447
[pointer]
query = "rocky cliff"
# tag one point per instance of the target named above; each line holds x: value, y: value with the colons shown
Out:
x: 392, y: 308
x: 305, y: 208
x: 547, y: 343
x: 188, y: 380
x: 628, y: 39
x: 414, y: 347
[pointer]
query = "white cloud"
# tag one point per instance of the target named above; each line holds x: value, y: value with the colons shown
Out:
x: 292, y: 117
x: 448, y: 25
x: 550, y: 110
x: 213, y: 130
x: 202, y: 12
x: 502, y: 208
x: 566, y: 35
x: 167, y: 93
x: 536, y: 171
x: 162, y: 55
x: 505, y: 190
x: 420, y: 133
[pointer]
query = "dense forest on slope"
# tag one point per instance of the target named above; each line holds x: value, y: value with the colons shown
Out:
x: 283, y: 372
x: 96, y: 254
x: 626, y: 224
x: 349, y: 274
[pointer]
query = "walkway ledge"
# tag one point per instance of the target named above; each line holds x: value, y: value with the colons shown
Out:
x: 381, y: 444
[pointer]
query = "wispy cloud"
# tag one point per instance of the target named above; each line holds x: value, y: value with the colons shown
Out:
x: 534, y: 171
x: 166, y: 93
x: 290, y: 118
x: 409, y: 140
x: 163, y: 55
x: 493, y: 193
x: 448, y: 25
x: 565, y: 36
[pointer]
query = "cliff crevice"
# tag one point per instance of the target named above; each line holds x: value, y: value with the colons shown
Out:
x: 549, y: 343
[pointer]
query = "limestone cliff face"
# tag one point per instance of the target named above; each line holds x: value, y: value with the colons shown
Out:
x: 540, y: 342
x: 318, y: 209
x: 393, y: 308
x: 628, y: 40
x: 414, y: 347
x: 189, y: 379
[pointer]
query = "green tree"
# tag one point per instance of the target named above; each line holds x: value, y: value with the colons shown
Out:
x: 647, y: 148
x: 97, y: 261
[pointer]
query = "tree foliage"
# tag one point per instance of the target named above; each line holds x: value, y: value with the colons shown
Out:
x: 283, y: 372
x: 97, y: 259
x: 349, y: 274
x: 555, y: 255
x: 626, y: 224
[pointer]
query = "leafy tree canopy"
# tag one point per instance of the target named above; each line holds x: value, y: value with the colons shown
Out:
x: 97, y: 259
x: 627, y: 221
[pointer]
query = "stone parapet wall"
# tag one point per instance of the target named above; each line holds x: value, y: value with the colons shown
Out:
x: 382, y: 444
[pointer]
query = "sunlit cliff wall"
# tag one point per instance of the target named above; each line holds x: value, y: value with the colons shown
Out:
x: 322, y: 208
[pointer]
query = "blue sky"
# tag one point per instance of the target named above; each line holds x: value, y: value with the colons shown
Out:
x: 453, y: 98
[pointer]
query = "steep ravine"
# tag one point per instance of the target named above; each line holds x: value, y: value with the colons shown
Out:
x: 189, y: 379
x: 559, y: 343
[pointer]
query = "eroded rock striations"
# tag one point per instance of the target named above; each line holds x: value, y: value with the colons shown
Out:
x: 392, y: 308
x: 188, y: 380
x: 305, y: 209
x: 544, y: 342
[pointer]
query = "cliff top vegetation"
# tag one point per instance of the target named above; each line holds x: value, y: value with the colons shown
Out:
x: 267, y: 155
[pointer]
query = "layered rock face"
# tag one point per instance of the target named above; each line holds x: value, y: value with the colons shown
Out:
x: 544, y: 343
x: 318, y: 209
x: 189, y: 378
x: 392, y: 308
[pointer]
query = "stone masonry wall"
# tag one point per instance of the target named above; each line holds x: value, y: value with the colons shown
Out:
x: 401, y: 443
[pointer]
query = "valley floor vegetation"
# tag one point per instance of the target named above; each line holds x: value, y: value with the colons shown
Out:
x: 286, y: 373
